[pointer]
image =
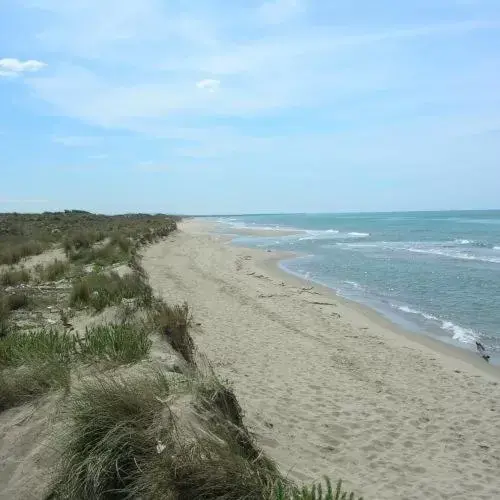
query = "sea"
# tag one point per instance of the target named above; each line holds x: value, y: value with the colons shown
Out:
x: 433, y: 273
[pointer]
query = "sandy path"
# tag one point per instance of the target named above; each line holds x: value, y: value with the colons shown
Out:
x: 329, y: 390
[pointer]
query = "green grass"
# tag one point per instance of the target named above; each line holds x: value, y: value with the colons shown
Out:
x: 100, y: 290
x: 14, y: 277
x: 33, y: 363
x: 314, y: 492
x: 21, y: 385
x: 36, y: 347
x: 117, y: 343
x: 173, y: 322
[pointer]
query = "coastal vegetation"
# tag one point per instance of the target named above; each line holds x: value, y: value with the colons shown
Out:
x: 139, y: 412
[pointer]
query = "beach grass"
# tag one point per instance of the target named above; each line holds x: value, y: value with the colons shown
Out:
x: 37, y: 347
x: 13, y: 277
x: 4, y: 315
x: 25, y: 383
x: 102, y: 289
x: 53, y: 271
x: 107, y: 444
x: 173, y: 323
x: 120, y: 343
x: 129, y: 433
x: 12, y: 254
x: 125, y: 441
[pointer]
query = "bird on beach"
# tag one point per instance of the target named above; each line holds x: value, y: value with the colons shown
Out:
x: 482, y: 351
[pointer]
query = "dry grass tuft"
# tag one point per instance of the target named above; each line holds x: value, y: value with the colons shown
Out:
x: 173, y: 322
x: 14, y: 277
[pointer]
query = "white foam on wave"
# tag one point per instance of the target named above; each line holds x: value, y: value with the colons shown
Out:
x: 454, y: 255
x: 461, y: 334
x: 237, y: 224
x: 463, y: 242
x: 409, y: 310
x: 496, y: 248
x: 355, y: 285
x: 359, y: 235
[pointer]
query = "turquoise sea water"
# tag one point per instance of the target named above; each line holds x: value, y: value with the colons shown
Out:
x: 432, y: 272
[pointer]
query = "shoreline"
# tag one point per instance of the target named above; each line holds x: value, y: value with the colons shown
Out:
x: 271, y: 261
x: 329, y: 387
x: 272, y: 266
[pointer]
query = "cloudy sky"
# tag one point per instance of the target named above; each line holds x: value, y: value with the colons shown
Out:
x: 212, y: 106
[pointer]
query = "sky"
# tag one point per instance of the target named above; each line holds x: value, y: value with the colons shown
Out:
x: 255, y: 106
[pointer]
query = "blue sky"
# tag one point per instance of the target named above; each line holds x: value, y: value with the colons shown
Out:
x: 211, y: 106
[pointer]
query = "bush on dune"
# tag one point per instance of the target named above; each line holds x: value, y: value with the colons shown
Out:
x: 81, y: 240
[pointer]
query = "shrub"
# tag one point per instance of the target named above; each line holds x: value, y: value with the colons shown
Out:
x: 113, y: 252
x: 14, y: 277
x: 81, y: 240
x: 120, y: 343
x: 123, y: 242
x: 173, y: 322
x: 28, y: 382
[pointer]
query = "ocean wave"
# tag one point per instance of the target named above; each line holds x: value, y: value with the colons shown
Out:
x: 354, y: 284
x: 330, y: 234
x: 465, y: 335
x: 479, y: 252
x: 459, y: 333
x: 454, y: 255
x: 359, y: 235
x: 235, y: 224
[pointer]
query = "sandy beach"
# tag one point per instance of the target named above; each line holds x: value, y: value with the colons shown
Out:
x: 327, y: 386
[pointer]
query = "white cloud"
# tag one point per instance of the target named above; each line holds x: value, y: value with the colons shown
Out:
x: 209, y: 84
x: 155, y: 70
x: 15, y: 67
x: 75, y: 141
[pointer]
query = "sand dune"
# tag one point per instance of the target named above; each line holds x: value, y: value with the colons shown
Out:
x: 329, y: 388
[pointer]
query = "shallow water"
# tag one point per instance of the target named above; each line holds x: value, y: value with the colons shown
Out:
x: 433, y: 272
